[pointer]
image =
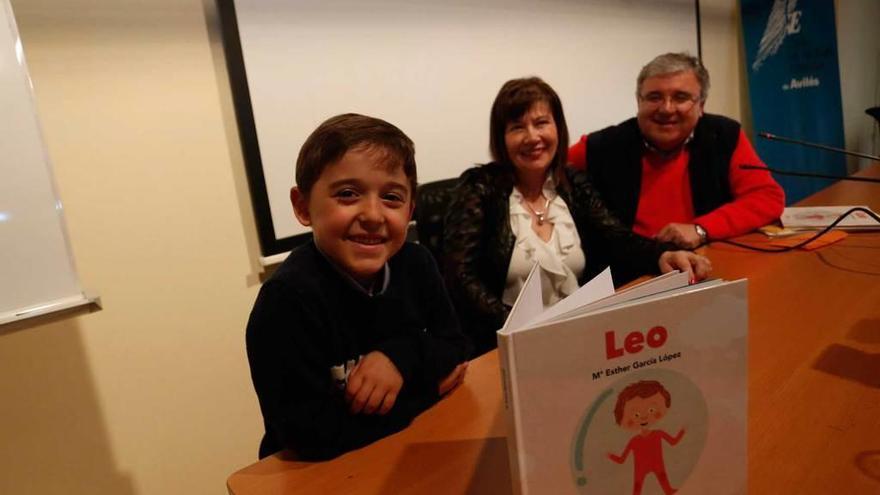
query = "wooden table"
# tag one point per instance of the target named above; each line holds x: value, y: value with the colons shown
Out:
x: 814, y: 357
x: 814, y: 389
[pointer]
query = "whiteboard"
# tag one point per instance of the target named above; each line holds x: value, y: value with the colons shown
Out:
x: 36, y: 266
x: 430, y: 67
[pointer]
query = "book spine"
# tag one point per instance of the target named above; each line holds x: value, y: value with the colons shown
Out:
x: 507, y: 363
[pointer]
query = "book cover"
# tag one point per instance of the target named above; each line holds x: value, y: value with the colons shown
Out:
x: 644, y: 396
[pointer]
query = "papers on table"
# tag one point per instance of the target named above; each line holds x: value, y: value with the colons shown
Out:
x: 819, y: 217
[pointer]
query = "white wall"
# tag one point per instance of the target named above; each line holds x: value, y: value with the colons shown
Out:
x: 433, y: 69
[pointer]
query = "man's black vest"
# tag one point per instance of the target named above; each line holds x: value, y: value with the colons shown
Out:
x: 614, y: 163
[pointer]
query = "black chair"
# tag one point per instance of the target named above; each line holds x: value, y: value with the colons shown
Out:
x: 874, y: 112
x: 432, y: 202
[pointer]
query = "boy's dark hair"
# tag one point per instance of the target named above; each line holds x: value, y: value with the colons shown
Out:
x: 514, y: 99
x: 643, y: 389
x: 342, y: 133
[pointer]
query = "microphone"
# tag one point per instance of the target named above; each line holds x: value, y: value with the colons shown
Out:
x: 774, y: 137
x: 809, y: 174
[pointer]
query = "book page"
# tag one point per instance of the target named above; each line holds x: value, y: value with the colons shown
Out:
x: 598, y: 287
x: 664, y: 283
x: 529, y: 303
x: 652, y: 280
x: 615, y: 303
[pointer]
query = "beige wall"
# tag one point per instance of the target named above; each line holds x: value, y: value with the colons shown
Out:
x: 858, y: 48
x: 152, y: 395
x: 723, y: 57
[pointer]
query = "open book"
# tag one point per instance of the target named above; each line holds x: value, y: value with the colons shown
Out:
x: 647, y: 386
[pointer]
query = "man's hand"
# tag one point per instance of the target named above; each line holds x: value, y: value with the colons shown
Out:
x: 683, y: 235
x: 453, y: 379
x: 373, y: 385
x: 698, y: 267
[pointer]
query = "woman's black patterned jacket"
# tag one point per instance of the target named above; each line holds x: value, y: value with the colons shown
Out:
x: 478, y: 243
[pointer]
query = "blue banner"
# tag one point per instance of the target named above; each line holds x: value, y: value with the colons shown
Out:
x: 794, y: 87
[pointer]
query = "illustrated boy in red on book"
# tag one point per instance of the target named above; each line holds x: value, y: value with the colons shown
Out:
x: 639, y: 406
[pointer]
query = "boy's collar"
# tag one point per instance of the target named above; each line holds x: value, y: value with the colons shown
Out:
x: 371, y: 291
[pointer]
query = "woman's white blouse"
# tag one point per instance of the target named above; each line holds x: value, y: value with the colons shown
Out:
x: 561, y: 258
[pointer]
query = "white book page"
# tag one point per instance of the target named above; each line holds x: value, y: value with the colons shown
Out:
x: 654, y: 280
x: 667, y: 281
x: 529, y: 303
x: 598, y: 287
x: 605, y: 305
x: 664, y: 283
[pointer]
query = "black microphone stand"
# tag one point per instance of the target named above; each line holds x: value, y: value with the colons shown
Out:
x: 774, y: 137
x: 875, y: 112
x: 810, y: 174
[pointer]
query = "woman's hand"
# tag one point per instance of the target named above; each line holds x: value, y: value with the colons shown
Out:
x: 683, y: 235
x: 698, y: 267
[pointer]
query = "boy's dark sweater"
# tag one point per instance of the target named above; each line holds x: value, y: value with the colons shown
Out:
x: 308, y: 318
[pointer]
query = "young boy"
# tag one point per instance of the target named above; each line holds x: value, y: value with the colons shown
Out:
x: 354, y: 334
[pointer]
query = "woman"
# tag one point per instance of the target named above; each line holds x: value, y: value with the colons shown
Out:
x: 525, y: 207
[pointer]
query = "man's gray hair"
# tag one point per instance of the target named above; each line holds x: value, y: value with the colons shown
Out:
x: 670, y: 63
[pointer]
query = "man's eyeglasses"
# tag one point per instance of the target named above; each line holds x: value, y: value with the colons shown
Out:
x: 680, y: 101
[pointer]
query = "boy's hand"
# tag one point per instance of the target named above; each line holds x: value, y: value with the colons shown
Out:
x: 453, y: 379
x: 373, y: 385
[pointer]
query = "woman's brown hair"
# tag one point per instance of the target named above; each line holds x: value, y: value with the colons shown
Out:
x: 514, y: 99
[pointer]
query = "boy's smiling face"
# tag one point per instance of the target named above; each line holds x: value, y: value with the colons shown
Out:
x: 359, y: 210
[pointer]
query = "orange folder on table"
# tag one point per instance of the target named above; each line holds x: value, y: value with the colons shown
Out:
x: 829, y: 238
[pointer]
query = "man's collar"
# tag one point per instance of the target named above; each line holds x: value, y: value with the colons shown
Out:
x: 667, y: 154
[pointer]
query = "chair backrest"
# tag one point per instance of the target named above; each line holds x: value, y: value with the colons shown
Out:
x: 874, y: 112
x: 432, y: 202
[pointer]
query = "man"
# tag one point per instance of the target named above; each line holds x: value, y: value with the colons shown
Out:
x: 673, y: 172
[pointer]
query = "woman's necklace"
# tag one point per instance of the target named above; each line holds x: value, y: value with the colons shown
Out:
x: 541, y: 215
